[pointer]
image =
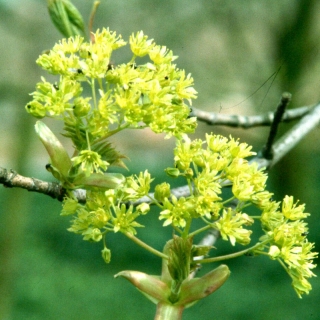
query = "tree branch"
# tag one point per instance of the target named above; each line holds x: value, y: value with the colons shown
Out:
x: 287, y: 142
x: 246, y: 122
x: 11, y: 179
x: 267, y: 150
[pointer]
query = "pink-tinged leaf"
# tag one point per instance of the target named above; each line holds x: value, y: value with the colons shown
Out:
x: 99, y: 180
x: 152, y: 287
x: 198, y: 288
x: 59, y: 157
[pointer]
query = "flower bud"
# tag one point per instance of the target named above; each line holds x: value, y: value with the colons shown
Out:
x: 188, y: 173
x: 106, y: 254
x: 143, y: 208
x: 81, y: 107
x: 92, y: 234
x: 162, y: 191
x: 36, y: 109
x: 172, y: 172
x: 274, y: 252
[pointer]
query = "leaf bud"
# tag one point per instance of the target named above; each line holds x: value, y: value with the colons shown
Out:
x: 66, y: 17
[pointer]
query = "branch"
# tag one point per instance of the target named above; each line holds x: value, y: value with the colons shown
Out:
x: 267, y: 150
x: 11, y: 179
x: 287, y: 142
x: 219, y: 119
x: 291, y: 138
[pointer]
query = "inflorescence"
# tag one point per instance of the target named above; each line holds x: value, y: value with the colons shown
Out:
x: 155, y: 95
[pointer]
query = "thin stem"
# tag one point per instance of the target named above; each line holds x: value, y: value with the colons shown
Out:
x: 92, y: 15
x: 93, y: 89
x: 178, y: 230
x: 154, y: 201
x: 112, y: 132
x: 88, y: 140
x: 185, y: 232
x: 205, y: 228
x: 232, y: 255
x: 146, y: 246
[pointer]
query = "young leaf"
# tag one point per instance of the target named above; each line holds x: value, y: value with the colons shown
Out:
x: 59, y: 157
x: 99, y: 180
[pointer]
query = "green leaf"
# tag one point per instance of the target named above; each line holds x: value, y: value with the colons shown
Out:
x: 151, y: 286
x: 59, y: 157
x: 98, y: 180
x: 199, y: 288
x: 66, y: 17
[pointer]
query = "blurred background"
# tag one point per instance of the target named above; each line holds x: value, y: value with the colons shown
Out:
x: 232, y: 48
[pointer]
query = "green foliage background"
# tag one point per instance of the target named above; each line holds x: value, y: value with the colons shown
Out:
x: 231, y: 48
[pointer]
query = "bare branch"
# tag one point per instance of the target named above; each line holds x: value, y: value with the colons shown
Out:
x: 291, y: 138
x: 11, y: 179
x: 246, y: 122
x: 267, y: 151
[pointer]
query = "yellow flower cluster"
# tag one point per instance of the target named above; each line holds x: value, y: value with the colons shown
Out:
x: 286, y: 235
x: 207, y: 170
x: 155, y: 94
x: 106, y: 211
x: 152, y: 94
x: 222, y: 163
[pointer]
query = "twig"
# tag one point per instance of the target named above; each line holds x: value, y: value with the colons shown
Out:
x: 246, y: 122
x: 291, y: 138
x: 11, y: 179
x: 267, y: 151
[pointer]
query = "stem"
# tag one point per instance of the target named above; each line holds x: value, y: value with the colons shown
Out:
x: 88, y: 140
x: 92, y: 15
x: 205, y: 228
x: 185, y: 232
x: 168, y: 312
x: 232, y: 255
x: 112, y: 132
x: 154, y: 201
x: 146, y: 246
x: 93, y: 88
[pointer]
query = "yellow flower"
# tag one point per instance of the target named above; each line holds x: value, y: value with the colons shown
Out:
x: 292, y: 211
x: 137, y: 186
x: 89, y: 162
x: 125, y: 219
x: 231, y: 225
x: 176, y: 211
x: 161, y: 55
x: 139, y: 44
